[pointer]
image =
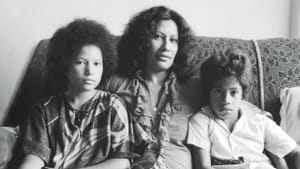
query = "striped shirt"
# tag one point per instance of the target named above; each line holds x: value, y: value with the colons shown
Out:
x: 66, y: 138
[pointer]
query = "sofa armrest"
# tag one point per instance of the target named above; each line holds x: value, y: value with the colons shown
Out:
x: 8, y: 141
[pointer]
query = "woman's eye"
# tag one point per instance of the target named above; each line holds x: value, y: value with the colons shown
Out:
x: 174, y: 40
x: 157, y: 36
x: 97, y: 64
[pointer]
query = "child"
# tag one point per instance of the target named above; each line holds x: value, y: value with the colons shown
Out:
x: 80, y: 126
x: 224, y: 132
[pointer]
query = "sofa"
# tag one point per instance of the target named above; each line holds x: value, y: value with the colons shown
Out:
x: 276, y: 65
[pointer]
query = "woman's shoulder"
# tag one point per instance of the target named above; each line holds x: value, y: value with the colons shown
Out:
x: 114, y: 104
x: 115, y: 82
x: 108, y: 99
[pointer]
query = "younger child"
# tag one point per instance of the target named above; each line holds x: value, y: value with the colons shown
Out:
x: 224, y: 132
x: 79, y: 127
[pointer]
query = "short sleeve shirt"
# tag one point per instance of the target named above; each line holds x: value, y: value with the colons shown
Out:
x: 65, y: 138
x: 252, y: 133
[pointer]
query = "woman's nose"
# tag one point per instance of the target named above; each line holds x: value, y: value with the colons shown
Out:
x: 167, y: 44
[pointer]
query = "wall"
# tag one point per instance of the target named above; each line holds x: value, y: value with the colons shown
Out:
x: 24, y: 23
x: 295, y: 18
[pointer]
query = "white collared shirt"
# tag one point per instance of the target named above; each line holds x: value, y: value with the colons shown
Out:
x: 252, y: 133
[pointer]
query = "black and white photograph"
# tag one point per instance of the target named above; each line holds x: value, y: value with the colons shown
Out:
x: 150, y: 84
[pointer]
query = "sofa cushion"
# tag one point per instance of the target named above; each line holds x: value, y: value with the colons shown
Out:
x: 8, y: 140
x: 290, y: 112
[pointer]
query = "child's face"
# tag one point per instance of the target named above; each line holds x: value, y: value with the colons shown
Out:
x: 225, y: 97
x: 85, y: 70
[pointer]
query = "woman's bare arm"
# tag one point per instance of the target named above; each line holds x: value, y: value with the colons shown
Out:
x: 32, y: 162
x: 113, y: 163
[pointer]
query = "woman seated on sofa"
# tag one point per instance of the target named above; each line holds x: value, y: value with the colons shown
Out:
x: 154, y: 64
x: 79, y: 127
x: 224, y: 132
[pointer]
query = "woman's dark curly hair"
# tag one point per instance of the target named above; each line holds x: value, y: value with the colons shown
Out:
x: 227, y: 63
x: 67, y: 43
x: 135, y: 42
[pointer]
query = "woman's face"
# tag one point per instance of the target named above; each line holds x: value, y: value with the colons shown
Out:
x: 85, y: 70
x: 164, y: 46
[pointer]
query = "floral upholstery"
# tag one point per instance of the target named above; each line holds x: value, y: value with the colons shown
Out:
x: 280, y: 59
x: 281, y: 63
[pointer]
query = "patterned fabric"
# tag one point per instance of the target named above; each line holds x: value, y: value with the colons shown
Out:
x: 281, y: 62
x: 160, y: 164
x: 65, y: 138
x: 164, y: 133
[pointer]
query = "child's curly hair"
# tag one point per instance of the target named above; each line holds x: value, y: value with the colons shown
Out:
x: 67, y: 42
x: 227, y: 63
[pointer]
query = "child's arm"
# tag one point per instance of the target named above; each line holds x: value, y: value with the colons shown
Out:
x: 201, y: 158
x: 113, y: 163
x: 278, y: 162
x: 294, y: 156
x: 32, y: 162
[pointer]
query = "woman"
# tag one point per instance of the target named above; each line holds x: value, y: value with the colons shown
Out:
x: 80, y: 126
x: 154, y: 64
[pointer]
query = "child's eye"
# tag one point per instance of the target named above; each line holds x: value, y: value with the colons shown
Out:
x: 234, y: 92
x: 217, y: 91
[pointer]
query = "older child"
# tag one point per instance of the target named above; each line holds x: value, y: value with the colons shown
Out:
x: 224, y: 132
x: 79, y: 127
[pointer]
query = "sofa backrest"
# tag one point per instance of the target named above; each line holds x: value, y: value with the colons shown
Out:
x: 276, y: 64
x: 281, y: 68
